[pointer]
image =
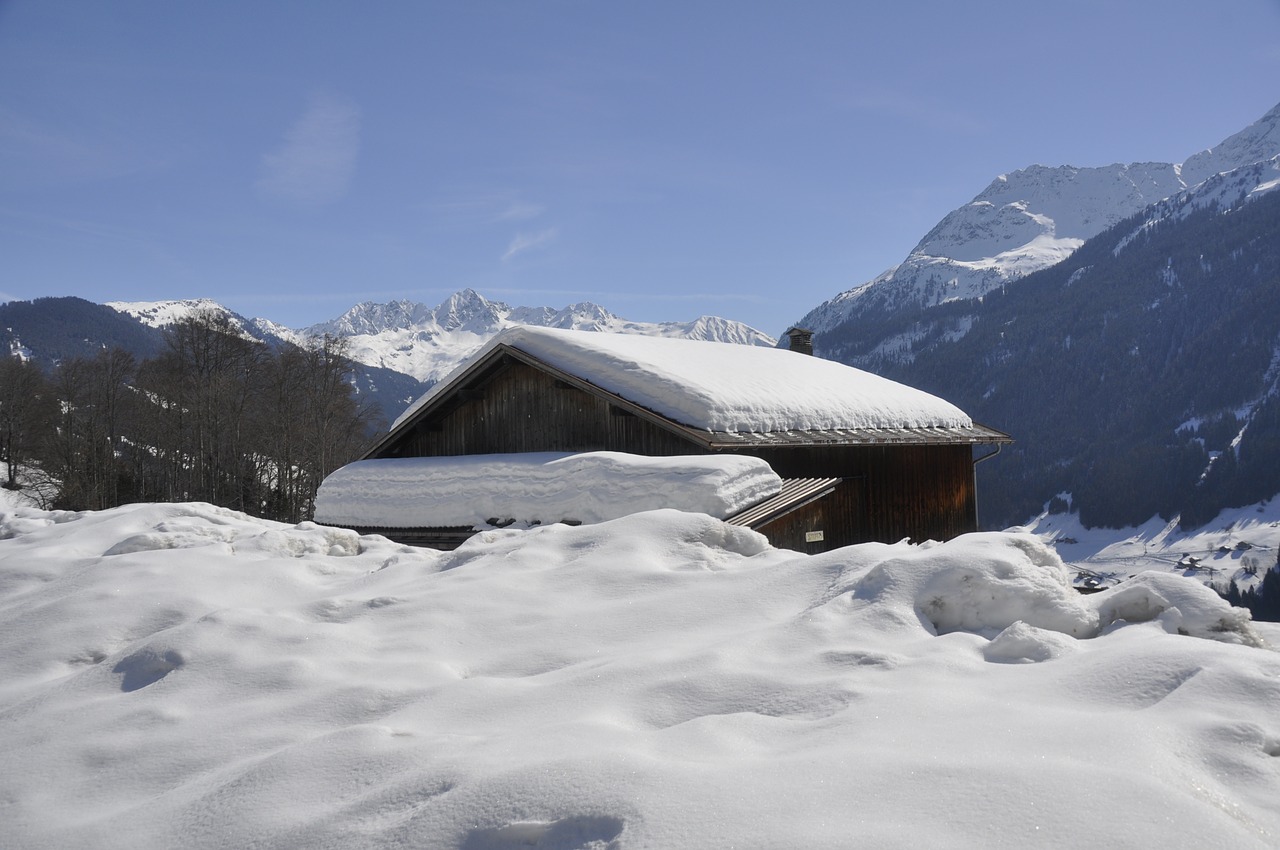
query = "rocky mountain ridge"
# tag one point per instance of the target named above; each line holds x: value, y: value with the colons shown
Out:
x: 427, y: 342
x: 1028, y: 220
x: 406, y: 346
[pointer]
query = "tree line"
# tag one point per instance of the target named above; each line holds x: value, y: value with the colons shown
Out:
x: 215, y: 417
x: 1262, y: 600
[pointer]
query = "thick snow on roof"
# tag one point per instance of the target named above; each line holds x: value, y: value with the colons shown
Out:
x: 187, y: 676
x: 723, y: 387
x: 537, y: 487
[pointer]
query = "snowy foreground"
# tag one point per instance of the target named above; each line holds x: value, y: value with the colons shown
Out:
x: 186, y: 676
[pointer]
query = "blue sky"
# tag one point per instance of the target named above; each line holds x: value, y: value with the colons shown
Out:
x: 663, y: 159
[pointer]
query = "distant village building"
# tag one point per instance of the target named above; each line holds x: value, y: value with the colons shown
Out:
x: 860, y: 458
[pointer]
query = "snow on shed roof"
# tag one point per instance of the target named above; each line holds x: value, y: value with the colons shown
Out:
x: 726, y: 387
x: 540, y: 486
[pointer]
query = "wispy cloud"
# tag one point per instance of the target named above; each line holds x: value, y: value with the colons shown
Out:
x: 521, y: 211
x: 481, y: 208
x: 524, y: 241
x: 314, y: 164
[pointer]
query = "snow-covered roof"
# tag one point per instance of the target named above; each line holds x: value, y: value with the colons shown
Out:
x: 537, y: 487
x: 722, y: 387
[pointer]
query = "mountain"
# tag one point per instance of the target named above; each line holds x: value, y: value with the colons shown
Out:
x: 48, y: 330
x: 1141, y: 375
x: 1022, y: 222
x: 1134, y: 354
x: 428, y: 342
x: 162, y: 314
x: 389, y: 390
x: 403, y: 347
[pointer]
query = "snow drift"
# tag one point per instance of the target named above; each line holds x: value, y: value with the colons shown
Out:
x: 183, y: 675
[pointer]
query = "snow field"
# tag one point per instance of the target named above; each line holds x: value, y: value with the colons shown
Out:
x: 660, y: 680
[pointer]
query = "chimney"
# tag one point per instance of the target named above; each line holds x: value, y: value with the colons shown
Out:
x: 801, y: 340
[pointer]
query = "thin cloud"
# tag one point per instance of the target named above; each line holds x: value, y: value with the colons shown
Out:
x: 521, y: 211
x: 314, y: 164
x: 524, y: 241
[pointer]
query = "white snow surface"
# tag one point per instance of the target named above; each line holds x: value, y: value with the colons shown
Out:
x: 161, y: 314
x: 538, y: 487
x: 188, y: 676
x: 723, y: 387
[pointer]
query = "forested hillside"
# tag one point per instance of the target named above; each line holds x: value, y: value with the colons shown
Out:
x: 1139, y: 375
x: 55, y: 329
x: 214, y: 416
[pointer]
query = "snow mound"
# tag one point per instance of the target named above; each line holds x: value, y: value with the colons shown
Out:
x: 1181, y: 607
x: 988, y: 583
x: 662, y: 540
x: 1022, y: 643
x: 540, y: 487
x: 981, y: 583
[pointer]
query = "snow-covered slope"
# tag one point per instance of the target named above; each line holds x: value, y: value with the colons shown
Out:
x: 1239, y: 545
x: 162, y: 314
x: 1225, y: 191
x: 1033, y: 218
x: 428, y: 342
x: 186, y: 676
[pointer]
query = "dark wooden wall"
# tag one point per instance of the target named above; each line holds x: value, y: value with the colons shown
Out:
x: 925, y: 492
x: 890, y: 491
x: 522, y: 409
x: 840, y: 517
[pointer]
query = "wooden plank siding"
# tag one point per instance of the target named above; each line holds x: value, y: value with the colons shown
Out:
x: 523, y: 409
x: 921, y: 492
x: 839, y: 517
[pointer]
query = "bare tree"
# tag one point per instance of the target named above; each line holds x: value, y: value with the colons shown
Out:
x: 25, y: 410
x: 217, y: 417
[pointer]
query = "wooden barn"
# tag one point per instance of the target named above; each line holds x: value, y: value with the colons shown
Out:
x: 861, y: 458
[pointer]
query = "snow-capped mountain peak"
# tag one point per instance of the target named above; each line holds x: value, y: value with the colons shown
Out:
x: 469, y: 310
x: 161, y: 314
x: 427, y: 342
x: 584, y: 316
x: 1259, y: 141
x: 1033, y: 218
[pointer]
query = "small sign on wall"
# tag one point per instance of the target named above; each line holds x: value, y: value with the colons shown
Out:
x: 813, y: 537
